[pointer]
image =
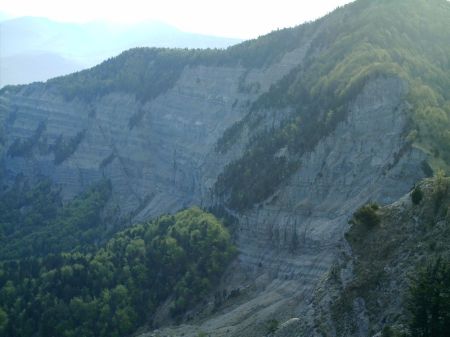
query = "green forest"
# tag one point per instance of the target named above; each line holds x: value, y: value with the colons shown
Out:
x: 116, y: 288
x: 34, y: 221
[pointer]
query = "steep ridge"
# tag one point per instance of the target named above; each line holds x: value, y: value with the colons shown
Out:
x: 289, y: 133
x: 36, y: 49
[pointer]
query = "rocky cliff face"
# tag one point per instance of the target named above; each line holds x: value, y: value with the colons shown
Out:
x: 290, y: 242
x: 153, y: 152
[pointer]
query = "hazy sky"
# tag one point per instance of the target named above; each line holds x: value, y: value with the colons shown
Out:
x: 233, y: 18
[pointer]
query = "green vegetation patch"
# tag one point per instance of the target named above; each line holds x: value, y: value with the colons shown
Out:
x: 429, y: 302
x: 24, y: 147
x: 366, y: 216
x: 117, y: 288
x: 416, y: 195
x: 149, y: 72
x: 272, y: 326
x: 63, y: 149
x: 35, y: 222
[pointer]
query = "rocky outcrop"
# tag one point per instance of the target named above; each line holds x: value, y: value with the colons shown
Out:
x: 370, y: 283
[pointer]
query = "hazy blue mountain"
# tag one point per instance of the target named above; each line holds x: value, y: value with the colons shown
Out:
x: 58, y: 48
x: 21, y: 68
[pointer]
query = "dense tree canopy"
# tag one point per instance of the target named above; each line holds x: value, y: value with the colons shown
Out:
x: 35, y: 222
x: 118, y: 287
x: 430, y: 300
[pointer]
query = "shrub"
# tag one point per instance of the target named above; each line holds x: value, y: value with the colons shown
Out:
x: 417, y: 195
x: 440, y: 188
x: 3, y: 319
x: 272, y: 325
x: 388, y: 331
x: 367, y: 216
x: 63, y: 149
x: 24, y: 148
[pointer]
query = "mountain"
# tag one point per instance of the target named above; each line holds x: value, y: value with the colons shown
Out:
x: 72, y: 47
x: 287, y: 138
x: 21, y: 68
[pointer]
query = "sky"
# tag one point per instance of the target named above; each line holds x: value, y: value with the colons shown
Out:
x: 231, y: 18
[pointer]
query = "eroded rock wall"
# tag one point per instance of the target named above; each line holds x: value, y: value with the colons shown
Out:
x: 153, y: 152
x: 289, y: 243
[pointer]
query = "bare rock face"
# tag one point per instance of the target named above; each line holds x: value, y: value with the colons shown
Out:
x: 153, y: 152
x: 362, y: 160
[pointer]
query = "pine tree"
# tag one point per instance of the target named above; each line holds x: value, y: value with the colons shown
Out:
x: 430, y: 301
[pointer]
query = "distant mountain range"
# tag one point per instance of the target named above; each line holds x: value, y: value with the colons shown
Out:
x: 36, y: 49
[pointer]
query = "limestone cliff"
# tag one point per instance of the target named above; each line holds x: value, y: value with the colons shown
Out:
x: 156, y: 165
